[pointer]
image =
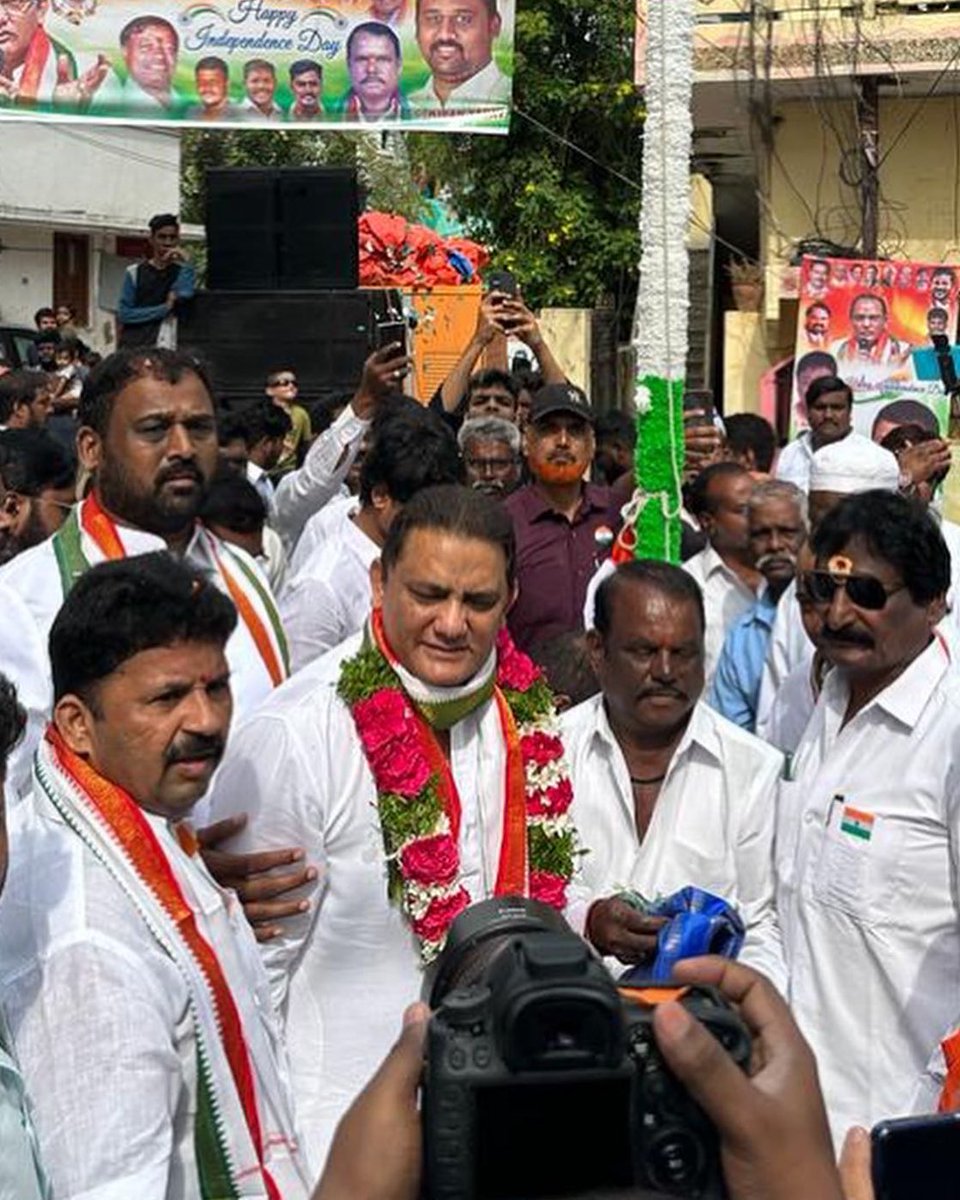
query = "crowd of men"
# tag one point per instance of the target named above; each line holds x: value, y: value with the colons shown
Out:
x: 264, y: 736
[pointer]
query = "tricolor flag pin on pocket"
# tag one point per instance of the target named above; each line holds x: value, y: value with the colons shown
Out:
x: 858, y: 824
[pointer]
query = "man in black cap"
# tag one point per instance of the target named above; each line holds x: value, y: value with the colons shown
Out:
x: 564, y: 526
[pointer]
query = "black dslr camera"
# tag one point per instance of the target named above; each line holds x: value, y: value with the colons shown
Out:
x: 543, y: 1080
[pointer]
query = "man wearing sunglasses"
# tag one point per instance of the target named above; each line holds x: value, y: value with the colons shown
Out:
x: 843, y: 468
x: 868, y: 851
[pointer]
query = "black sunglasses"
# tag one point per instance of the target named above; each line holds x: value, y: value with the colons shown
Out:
x: 865, y: 591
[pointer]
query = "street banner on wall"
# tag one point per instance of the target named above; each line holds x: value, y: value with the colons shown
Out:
x: 871, y: 323
x: 295, y: 64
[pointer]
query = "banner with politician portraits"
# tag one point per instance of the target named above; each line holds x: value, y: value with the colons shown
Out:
x: 418, y: 64
x: 871, y: 323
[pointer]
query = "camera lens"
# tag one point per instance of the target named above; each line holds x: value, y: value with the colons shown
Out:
x: 482, y: 932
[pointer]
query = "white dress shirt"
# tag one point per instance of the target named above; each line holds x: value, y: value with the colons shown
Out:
x: 329, y: 597
x: 343, y: 972
x: 792, y: 709
x: 725, y: 598
x: 867, y: 887
x: 788, y: 650
x: 303, y: 492
x: 101, y: 1017
x: 489, y: 84
x: 320, y: 528
x: 258, y: 477
x: 35, y: 576
x: 712, y: 825
x: 794, y: 461
x: 22, y: 647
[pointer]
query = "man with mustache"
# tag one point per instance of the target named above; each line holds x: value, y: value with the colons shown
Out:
x: 397, y: 761
x: 25, y: 401
x: 853, y: 464
x: 491, y: 455
x: 148, y: 88
x: 667, y: 793
x: 777, y: 522
x: 374, y: 63
x: 817, y: 326
x: 456, y: 39
x: 564, y: 526
x: 828, y: 406
x: 867, y: 850
x: 725, y: 568
x: 148, y: 437
x: 37, y: 489
x: 131, y: 981
x: 306, y: 83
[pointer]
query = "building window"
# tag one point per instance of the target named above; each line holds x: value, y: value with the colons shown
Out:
x: 71, y: 273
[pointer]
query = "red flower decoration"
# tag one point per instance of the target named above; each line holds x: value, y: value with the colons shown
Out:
x: 514, y: 669
x: 541, y: 748
x: 431, y: 859
x: 385, y: 717
x: 399, y: 767
x: 438, y: 918
x: 552, y: 801
x: 548, y: 888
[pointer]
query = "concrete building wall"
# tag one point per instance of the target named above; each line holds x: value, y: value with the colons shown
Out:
x: 919, y: 214
x: 100, y: 181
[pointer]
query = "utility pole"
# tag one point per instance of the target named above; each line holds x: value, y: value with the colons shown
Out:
x: 660, y: 327
x: 868, y: 122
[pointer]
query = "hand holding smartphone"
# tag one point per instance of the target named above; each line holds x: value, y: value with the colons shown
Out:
x: 917, y: 1158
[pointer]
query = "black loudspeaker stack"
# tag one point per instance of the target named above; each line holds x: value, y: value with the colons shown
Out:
x: 282, y: 282
x: 291, y: 229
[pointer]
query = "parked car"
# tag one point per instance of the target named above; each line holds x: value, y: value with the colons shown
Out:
x: 15, y: 341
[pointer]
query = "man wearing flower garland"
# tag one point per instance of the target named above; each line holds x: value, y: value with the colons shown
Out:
x: 148, y: 435
x: 418, y: 766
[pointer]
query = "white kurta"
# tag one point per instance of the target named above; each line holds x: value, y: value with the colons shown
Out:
x: 712, y: 826
x: 871, y: 924
x: 343, y: 972
x: 725, y: 598
x: 301, y: 493
x: 35, y: 577
x: 794, y: 462
x: 320, y: 528
x: 788, y: 650
x: 329, y: 597
x: 21, y: 649
x: 101, y: 1019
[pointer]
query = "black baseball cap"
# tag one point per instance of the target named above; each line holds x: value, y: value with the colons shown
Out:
x: 561, y: 397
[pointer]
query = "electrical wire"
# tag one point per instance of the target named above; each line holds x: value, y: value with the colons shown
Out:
x: 634, y: 183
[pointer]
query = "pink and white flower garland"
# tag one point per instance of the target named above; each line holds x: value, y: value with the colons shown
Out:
x: 419, y: 807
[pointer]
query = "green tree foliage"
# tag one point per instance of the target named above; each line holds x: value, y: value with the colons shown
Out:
x: 566, y: 225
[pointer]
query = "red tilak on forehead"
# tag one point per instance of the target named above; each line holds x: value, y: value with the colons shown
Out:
x: 840, y: 564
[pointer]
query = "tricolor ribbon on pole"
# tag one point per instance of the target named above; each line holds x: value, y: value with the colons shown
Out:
x: 660, y: 328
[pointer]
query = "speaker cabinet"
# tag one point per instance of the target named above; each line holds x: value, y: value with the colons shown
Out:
x: 324, y: 336
x: 290, y: 229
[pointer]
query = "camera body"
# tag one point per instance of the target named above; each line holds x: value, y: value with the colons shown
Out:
x: 543, y: 1079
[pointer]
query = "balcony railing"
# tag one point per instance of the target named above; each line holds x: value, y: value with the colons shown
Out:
x: 801, y: 39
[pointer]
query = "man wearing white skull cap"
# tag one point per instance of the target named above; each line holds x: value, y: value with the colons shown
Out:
x: 840, y: 469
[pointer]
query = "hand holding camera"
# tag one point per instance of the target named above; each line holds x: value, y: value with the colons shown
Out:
x: 542, y: 1080
x: 774, y: 1137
